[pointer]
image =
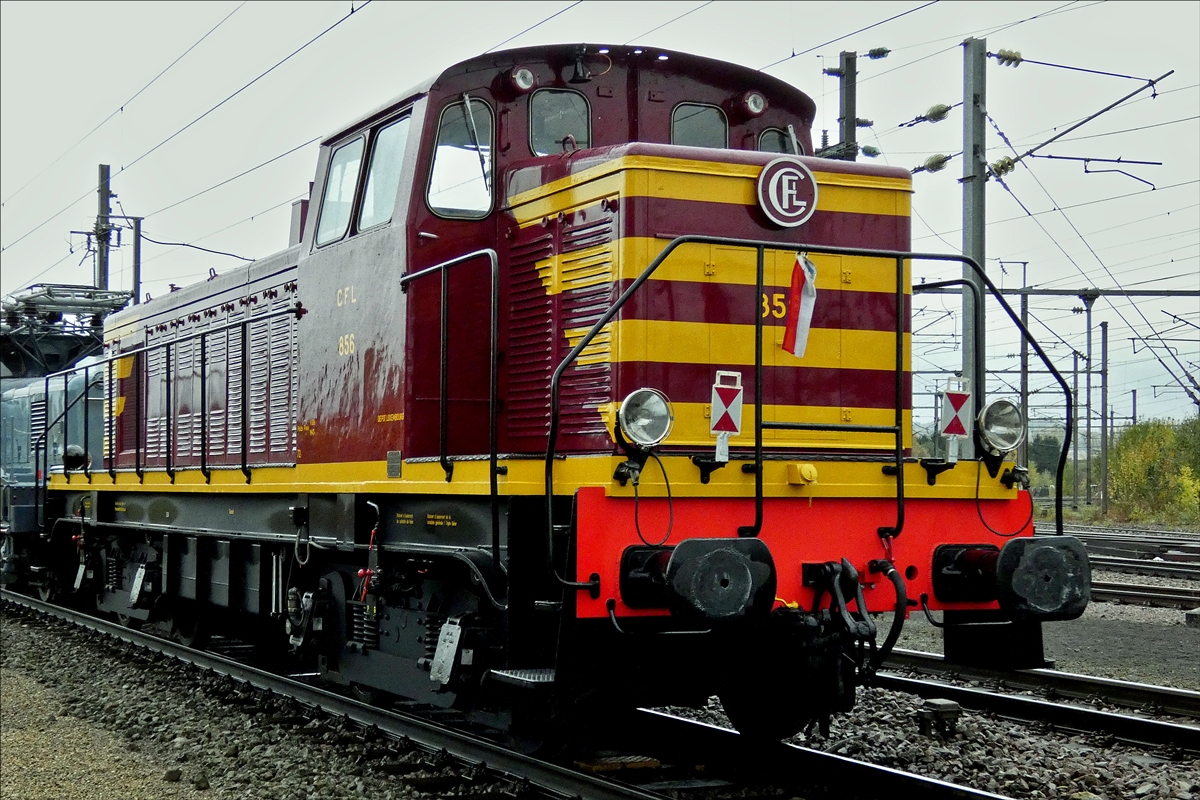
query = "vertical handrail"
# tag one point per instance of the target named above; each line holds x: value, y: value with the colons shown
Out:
x: 760, y: 280
x: 444, y: 378
x: 891, y: 532
x: 495, y: 470
x: 168, y: 452
x: 245, y: 399
x: 141, y: 410
x: 66, y: 422
x: 87, y: 442
x: 110, y: 424
x: 204, y: 409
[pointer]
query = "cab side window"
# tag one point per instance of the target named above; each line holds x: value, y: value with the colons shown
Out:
x: 339, y: 192
x: 773, y: 140
x: 460, y: 183
x: 559, y: 120
x: 383, y: 175
x: 695, y: 125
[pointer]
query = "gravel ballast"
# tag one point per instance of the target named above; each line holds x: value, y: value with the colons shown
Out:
x: 88, y: 719
x: 84, y: 718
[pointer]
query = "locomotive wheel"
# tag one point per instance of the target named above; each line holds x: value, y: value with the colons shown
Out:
x: 365, y: 694
x: 187, y: 629
x: 126, y: 621
x: 771, y: 709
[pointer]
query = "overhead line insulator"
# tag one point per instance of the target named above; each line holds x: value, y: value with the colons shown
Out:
x: 1008, y: 58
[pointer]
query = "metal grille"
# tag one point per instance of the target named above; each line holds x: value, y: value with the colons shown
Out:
x: 586, y: 277
x: 530, y: 348
x: 37, y: 421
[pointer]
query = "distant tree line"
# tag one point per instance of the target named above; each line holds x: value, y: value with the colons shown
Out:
x: 1153, y: 471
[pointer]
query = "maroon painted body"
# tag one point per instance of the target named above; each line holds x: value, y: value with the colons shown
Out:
x: 359, y: 376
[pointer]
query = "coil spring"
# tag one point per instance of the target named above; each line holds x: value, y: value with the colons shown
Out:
x: 366, y: 626
x: 114, y: 573
x: 433, y: 631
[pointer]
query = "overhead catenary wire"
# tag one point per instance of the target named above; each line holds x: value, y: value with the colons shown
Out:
x: 1192, y: 395
x: 244, y: 87
x: 121, y: 107
x: 146, y: 238
x: 1077, y: 205
x: 531, y: 27
x: 848, y: 35
x: 242, y: 221
x: 242, y: 174
x: 669, y: 22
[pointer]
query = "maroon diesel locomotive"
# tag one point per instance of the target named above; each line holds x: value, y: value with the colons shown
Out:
x: 583, y: 383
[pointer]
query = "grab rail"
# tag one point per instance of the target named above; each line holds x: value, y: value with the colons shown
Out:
x: 297, y: 310
x: 444, y: 459
x: 761, y: 246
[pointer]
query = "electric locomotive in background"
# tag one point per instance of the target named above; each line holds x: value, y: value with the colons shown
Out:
x: 582, y: 383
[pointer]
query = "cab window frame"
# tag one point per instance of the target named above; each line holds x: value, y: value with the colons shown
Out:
x: 555, y: 90
x: 361, y: 138
x: 786, y: 137
x: 367, y: 169
x: 467, y: 215
x: 694, y: 104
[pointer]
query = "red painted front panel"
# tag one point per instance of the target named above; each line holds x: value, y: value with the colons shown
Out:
x: 797, y: 533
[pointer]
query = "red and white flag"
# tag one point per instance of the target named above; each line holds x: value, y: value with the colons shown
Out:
x: 801, y: 301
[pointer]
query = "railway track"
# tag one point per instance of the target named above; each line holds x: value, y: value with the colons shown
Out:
x: 1168, y: 554
x: 1142, y: 594
x: 1136, y: 699
x: 723, y: 751
x: 1143, y: 566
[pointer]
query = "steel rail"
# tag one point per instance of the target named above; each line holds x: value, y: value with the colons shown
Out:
x: 1125, y: 727
x: 1161, y: 596
x: 435, y: 738
x: 1144, y: 566
x: 1136, y: 730
x: 690, y: 739
x: 1167, y: 699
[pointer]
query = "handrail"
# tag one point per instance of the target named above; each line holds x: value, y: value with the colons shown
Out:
x: 494, y: 380
x: 899, y: 256
x: 297, y: 310
x: 1062, y: 382
x: 41, y: 450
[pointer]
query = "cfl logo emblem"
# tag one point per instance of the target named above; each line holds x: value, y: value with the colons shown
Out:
x: 787, y: 192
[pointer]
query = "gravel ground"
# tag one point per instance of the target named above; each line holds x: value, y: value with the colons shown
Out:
x: 1110, y: 640
x: 81, y: 720
x: 89, y: 721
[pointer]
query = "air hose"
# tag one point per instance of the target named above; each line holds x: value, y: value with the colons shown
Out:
x: 889, y: 571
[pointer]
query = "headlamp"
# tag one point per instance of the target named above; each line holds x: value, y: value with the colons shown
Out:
x: 1001, y: 426
x: 645, y: 417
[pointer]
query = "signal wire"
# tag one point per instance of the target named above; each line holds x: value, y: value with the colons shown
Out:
x: 121, y: 108
x: 278, y: 64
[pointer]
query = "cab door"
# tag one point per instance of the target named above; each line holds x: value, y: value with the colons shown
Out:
x: 453, y: 214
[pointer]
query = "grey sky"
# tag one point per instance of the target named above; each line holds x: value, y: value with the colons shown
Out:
x: 65, y: 67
